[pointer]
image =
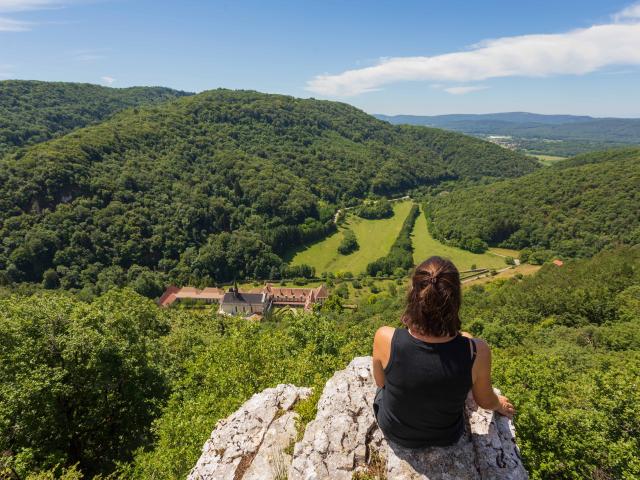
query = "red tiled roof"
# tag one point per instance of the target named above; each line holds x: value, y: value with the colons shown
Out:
x: 287, y: 295
x: 557, y: 262
x: 173, y: 293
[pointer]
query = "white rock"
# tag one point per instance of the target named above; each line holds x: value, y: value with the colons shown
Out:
x: 251, y: 442
x: 344, y: 438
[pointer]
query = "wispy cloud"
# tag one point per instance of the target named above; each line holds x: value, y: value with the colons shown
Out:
x: 461, y: 90
x: 632, y: 12
x: 11, y: 25
x: 577, y: 52
x: 108, y: 80
x: 23, y: 5
x: 11, y: 6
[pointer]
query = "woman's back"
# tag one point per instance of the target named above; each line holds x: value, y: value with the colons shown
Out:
x: 425, y: 388
x: 426, y: 371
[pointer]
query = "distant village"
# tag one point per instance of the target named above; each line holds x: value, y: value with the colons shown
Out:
x: 254, y: 303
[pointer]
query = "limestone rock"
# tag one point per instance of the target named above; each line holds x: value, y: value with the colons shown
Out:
x: 250, y: 444
x: 339, y: 439
x: 344, y: 439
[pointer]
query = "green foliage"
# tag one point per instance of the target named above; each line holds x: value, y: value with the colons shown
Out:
x: 210, y: 188
x: 79, y: 382
x: 401, y: 253
x: 33, y: 112
x: 349, y: 243
x: 565, y: 345
x: 566, y: 353
x: 334, y: 302
x: 375, y: 209
x: 248, y: 357
x: 575, y: 208
x: 342, y: 290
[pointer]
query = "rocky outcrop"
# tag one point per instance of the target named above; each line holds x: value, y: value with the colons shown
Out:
x: 251, y: 443
x: 343, y: 441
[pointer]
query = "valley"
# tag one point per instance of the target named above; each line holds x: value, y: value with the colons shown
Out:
x: 375, y: 238
x: 108, y: 197
x: 424, y: 246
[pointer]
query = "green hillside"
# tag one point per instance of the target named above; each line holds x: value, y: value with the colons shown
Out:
x: 573, y: 208
x: 210, y: 188
x: 32, y: 112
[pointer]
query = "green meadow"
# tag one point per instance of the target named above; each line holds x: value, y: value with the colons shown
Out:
x: 547, y: 160
x: 424, y: 246
x: 375, y: 238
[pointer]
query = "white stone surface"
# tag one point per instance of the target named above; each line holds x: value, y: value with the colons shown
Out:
x: 344, y: 438
x: 243, y: 444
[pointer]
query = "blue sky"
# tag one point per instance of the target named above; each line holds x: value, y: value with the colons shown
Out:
x: 415, y: 57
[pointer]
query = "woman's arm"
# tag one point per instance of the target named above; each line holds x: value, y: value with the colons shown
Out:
x: 381, y: 353
x: 482, y: 388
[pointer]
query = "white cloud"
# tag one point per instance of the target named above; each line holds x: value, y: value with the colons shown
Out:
x: 22, y: 5
x: 107, y: 79
x: 576, y: 52
x: 632, y: 12
x: 10, y: 25
x: 461, y: 90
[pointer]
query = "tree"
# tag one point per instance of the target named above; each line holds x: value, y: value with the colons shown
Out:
x: 349, y: 243
x: 79, y: 383
x: 342, y: 290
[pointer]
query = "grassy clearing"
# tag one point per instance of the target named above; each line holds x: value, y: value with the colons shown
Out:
x: 507, y: 252
x: 524, y: 269
x: 547, y: 160
x: 424, y: 246
x: 375, y: 238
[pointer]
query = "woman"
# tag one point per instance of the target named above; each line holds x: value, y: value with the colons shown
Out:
x: 426, y: 370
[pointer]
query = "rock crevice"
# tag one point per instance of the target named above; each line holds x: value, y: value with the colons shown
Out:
x: 344, y: 442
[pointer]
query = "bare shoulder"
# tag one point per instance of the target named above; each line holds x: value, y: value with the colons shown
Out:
x: 384, y: 333
x: 482, y: 347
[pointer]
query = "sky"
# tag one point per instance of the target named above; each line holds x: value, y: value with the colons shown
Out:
x: 394, y: 57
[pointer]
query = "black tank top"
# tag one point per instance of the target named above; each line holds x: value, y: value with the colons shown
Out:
x: 425, y: 387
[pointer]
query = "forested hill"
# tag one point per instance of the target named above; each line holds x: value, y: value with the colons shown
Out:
x: 210, y: 187
x: 32, y: 111
x: 575, y: 208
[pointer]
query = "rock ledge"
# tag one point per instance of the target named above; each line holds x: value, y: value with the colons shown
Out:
x: 253, y: 443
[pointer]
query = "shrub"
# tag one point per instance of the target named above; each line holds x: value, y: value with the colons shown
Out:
x: 349, y: 243
x: 375, y: 209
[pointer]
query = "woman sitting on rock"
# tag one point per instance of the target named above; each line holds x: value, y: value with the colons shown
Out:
x: 426, y: 370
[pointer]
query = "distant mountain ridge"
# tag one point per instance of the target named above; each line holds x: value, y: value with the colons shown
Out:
x: 510, y: 117
x: 563, y: 135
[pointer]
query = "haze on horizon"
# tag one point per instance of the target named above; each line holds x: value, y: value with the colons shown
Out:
x: 405, y: 57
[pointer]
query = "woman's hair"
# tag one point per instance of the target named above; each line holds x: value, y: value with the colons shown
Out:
x: 434, y: 299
